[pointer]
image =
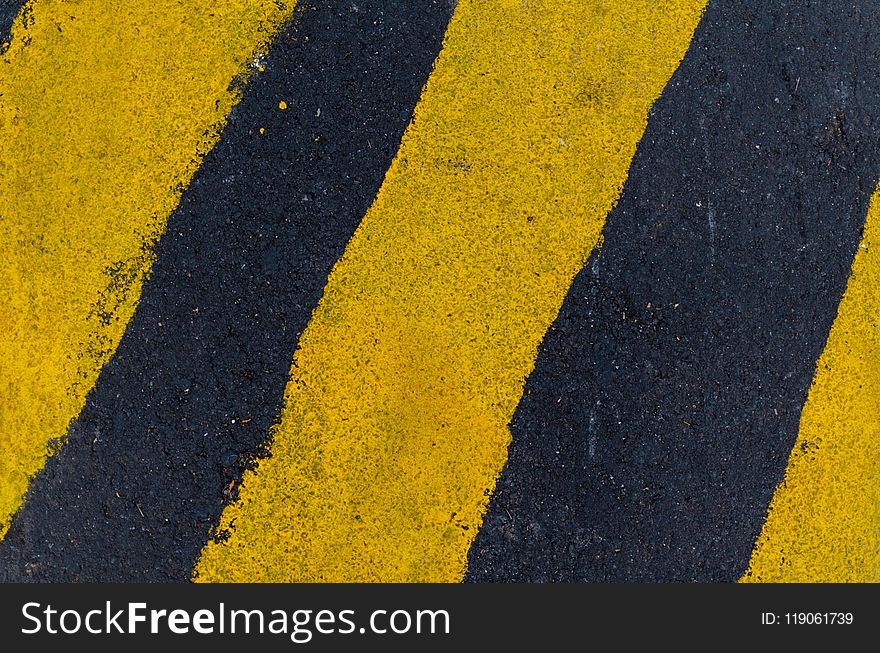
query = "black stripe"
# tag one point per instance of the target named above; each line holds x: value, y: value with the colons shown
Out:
x: 667, y: 394
x: 189, y: 396
x: 8, y: 11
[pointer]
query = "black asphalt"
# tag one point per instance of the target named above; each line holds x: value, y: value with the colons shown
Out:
x: 667, y: 394
x: 8, y: 11
x: 187, y: 400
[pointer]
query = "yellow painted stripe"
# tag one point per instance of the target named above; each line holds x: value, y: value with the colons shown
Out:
x: 824, y: 520
x: 105, y: 112
x: 394, y: 426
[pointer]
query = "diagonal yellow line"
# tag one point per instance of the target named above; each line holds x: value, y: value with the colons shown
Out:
x: 105, y: 112
x: 394, y: 426
x: 824, y: 521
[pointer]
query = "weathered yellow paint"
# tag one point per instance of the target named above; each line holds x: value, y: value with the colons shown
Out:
x: 824, y: 520
x: 106, y: 110
x: 395, y: 421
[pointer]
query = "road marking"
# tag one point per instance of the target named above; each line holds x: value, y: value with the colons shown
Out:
x: 690, y: 340
x: 198, y: 379
x: 824, y: 520
x: 394, y: 427
x: 105, y: 113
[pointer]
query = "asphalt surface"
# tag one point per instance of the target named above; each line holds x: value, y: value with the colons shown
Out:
x: 394, y: 428
x: 185, y: 404
x: 8, y: 11
x: 666, y: 396
x: 667, y: 401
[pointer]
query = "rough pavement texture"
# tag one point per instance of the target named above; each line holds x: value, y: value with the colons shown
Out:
x: 394, y: 428
x: 8, y: 11
x: 187, y: 400
x: 822, y: 525
x: 666, y: 396
x: 106, y: 110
